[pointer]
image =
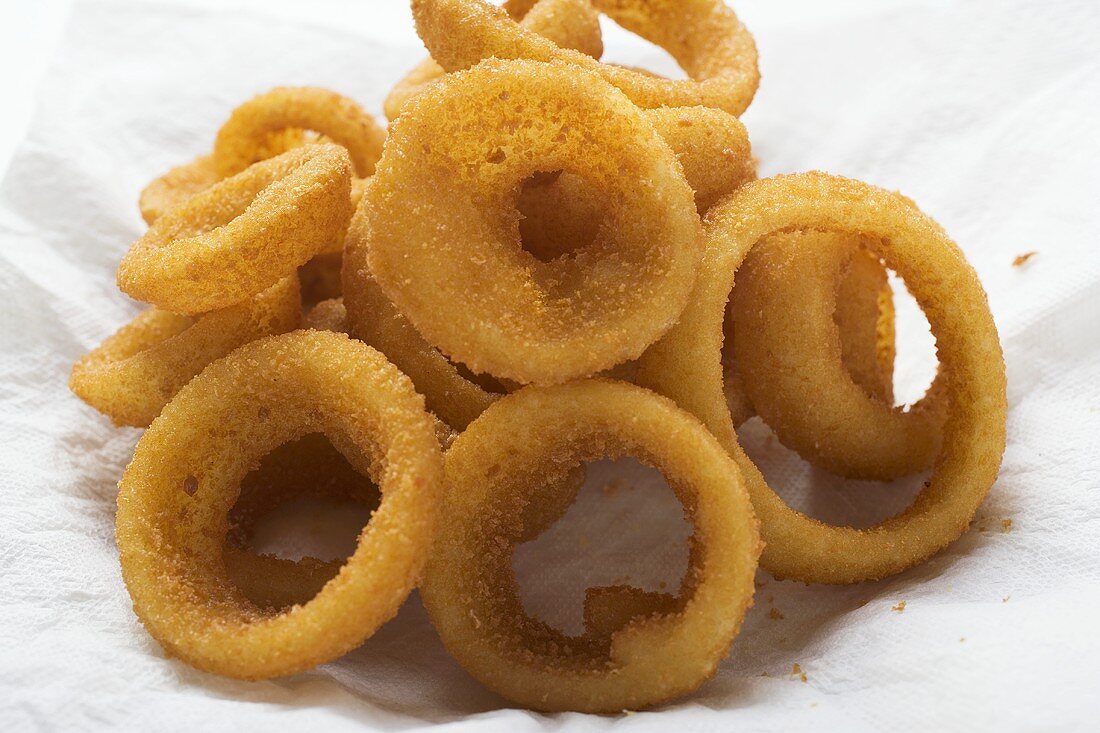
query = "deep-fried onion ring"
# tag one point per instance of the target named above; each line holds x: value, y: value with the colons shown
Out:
x: 686, y: 366
x: 498, y: 468
x: 444, y: 234
x: 790, y: 354
x: 704, y: 36
x: 133, y: 374
x: 241, y: 140
x: 864, y: 317
x: 185, y: 476
x: 240, y: 236
x: 571, y: 24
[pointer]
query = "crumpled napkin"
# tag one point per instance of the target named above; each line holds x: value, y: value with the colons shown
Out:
x: 983, y: 111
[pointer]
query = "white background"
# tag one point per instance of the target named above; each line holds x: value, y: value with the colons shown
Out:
x: 985, y: 112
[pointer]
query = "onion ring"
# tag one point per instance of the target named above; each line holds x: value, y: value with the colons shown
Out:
x: 497, y: 469
x: 864, y: 317
x: 851, y: 431
x: 571, y: 24
x: 686, y: 366
x: 704, y: 36
x: 561, y: 213
x: 453, y: 395
x: 243, y: 234
x: 240, y: 141
x: 523, y: 319
x: 132, y: 375
x: 175, y: 496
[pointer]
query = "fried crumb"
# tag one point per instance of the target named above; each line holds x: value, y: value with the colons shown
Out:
x: 1006, y: 525
x: 900, y: 607
x: 962, y: 639
x: 1021, y: 260
x: 775, y: 614
x: 796, y: 671
x: 1005, y: 599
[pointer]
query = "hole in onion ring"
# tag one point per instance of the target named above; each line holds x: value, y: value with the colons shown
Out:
x: 296, y: 522
x: 322, y: 527
x: 625, y: 512
x: 916, y: 364
x: 561, y: 214
x: 620, y: 45
x: 820, y: 494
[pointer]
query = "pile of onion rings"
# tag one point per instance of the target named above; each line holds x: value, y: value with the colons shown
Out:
x: 543, y: 260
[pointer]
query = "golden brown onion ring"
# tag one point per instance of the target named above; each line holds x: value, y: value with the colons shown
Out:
x: 133, y: 374
x: 561, y: 213
x: 498, y: 468
x: 686, y: 366
x: 176, y: 494
x: 571, y: 24
x: 444, y: 234
x: 704, y: 36
x: 790, y: 353
x: 240, y: 236
x: 339, y: 119
x: 864, y: 316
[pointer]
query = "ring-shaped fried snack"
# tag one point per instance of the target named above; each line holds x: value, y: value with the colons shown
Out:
x: 177, y: 492
x: 241, y: 140
x: 132, y: 375
x: 444, y: 229
x: 790, y: 351
x: 704, y: 36
x: 686, y: 366
x: 864, y: 316
x: 561, y: 214
x: 497, y: 475
x: 571, y: 24
x: 240, y: 236
x: 184, y: 181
